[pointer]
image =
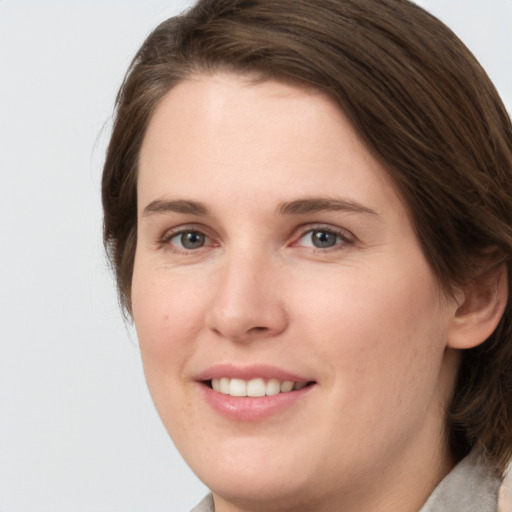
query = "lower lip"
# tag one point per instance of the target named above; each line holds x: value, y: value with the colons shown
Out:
x: 252, y: 408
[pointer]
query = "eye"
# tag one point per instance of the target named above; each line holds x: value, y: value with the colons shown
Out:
x: 188, y: 240
x: 322, y: 239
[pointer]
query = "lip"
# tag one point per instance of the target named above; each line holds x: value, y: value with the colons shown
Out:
x: 249, y: 372
x: 250, y: 409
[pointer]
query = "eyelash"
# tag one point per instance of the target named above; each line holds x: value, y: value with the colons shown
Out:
x: 343, y: 237
x: 165, y: 241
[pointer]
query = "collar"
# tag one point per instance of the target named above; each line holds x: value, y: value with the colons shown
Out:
x: 469, y: 487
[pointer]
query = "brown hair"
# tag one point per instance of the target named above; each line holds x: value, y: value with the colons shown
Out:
x: 421, y: 103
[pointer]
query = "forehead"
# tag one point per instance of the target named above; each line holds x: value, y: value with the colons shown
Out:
x: 228, y: 102
x: 226, y: 132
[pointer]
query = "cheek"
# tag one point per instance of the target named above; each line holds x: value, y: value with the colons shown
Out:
x: 385, y: 335
x: 167, y: 317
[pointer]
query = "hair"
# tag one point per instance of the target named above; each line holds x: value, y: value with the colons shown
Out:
x: 418, y: 99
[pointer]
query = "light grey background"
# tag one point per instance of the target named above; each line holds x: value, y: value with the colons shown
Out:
x: 77, y: 427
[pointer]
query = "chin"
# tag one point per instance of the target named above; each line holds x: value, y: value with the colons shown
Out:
x: 255, y: 473
x: 260, y: 490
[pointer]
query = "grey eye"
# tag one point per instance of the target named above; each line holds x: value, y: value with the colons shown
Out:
x: 189, y: 240
x: 323, y: 239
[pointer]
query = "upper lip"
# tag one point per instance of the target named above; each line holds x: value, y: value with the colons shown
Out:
x: 249, y: 372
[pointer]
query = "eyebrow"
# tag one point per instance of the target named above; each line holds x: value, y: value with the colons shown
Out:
x: 178, y: 206
x: 320, y: 204
x: 297, y: 207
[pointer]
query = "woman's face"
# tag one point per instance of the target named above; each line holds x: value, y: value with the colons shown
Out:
x: 275, y: 258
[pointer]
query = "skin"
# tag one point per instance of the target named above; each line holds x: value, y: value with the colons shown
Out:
x: 364, y: 319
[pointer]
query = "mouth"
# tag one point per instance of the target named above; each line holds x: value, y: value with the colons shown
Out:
x: 254, y: 388
x: 253, y: 393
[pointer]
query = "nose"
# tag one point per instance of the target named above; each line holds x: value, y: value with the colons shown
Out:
x: 248, y: 302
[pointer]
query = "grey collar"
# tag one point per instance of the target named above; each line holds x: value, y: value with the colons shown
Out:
x: 469, y: 487
x: 205, y: 506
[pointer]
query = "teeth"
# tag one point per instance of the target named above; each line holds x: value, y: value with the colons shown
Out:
x: 224, y: 385
x: 273, y: 387
x: 287, y: 385
x: 238, y: 387
x: 255, y: 387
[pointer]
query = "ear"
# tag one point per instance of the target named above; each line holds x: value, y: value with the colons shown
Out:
x: 477, y: 316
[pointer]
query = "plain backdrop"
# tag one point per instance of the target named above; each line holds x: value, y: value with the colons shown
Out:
x: 78, y: 431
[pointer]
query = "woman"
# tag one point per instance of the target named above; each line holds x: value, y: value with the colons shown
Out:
x: 307, y: 206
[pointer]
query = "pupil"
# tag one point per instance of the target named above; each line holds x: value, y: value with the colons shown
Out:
x: 192, y: 240
x: 323, y: 239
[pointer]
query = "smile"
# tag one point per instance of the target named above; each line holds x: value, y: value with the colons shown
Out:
x: 257, y: 387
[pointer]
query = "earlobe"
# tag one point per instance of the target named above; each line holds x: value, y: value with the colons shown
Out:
x: 483, y: 305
